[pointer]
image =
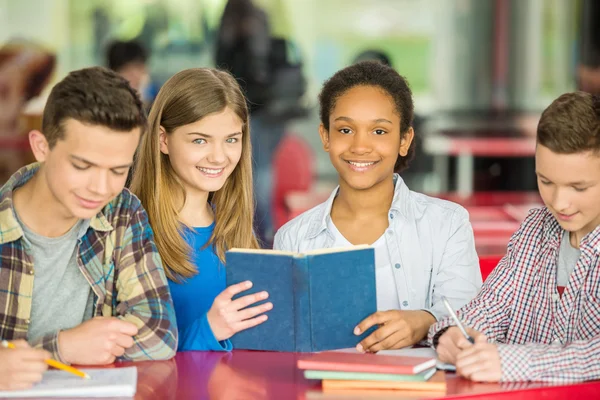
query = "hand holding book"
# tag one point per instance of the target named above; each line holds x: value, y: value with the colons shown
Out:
x: 396, y: 329
x: 319, y: 297
x: 227, y: 317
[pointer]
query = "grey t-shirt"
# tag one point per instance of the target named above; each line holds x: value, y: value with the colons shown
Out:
x: 567, y: 259
x: 62, y: 297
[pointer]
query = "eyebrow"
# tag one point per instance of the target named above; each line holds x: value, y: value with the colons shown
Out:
x: 83, y: 160
x: 377, y: 121
x: 583, y: 183
x: 207, y: 136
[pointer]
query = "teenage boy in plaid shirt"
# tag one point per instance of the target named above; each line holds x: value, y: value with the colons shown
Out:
x: 537, y: 316
x: 80, y: 275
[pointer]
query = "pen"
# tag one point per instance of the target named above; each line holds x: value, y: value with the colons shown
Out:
x: 456, y: 320
x: 53, y: 363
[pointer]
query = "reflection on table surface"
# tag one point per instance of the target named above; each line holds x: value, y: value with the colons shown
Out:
x: 270, y: 375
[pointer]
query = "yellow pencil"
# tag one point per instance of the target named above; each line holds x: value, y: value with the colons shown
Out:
x: 54, y: 363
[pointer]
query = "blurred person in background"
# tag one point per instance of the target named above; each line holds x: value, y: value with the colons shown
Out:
x: 589, y: 79
x: 25, y: 69
x: 129, y: 59
x: 373, y: 55
x: 588, y: 68
x: 273, y: 86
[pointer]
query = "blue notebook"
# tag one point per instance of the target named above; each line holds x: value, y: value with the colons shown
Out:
x: 318, y: 297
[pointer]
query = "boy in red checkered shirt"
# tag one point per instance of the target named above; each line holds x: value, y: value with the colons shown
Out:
x: 537, y: 316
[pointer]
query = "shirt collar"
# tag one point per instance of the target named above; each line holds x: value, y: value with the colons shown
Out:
x: 553, y: 232
x: 399, y: 205
x: 10, y: 229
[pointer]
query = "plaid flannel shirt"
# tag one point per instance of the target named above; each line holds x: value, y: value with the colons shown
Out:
x: 541, y: 336
x: 118, y: 258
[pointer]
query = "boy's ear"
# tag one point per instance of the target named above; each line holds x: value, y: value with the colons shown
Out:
x: 324, y: 133
x: 405, y: 141
x: 39, y: 145
x: 164, y: 147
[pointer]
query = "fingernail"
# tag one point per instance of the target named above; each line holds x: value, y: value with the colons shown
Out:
x: 265, y: 295
x: 357, y: 331
x: 359, y: 348
x: 268, y: 306
x: 248, y: 284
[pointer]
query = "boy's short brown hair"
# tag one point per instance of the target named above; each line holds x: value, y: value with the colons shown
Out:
x: 571, y: 124
x: 95, y: 96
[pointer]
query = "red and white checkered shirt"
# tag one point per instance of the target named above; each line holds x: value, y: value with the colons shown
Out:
x: 541, y: 336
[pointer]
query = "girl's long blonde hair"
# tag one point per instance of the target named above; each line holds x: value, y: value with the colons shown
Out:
x: 187, y: 97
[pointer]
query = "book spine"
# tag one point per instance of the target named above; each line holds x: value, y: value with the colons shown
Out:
x: 302, y: 329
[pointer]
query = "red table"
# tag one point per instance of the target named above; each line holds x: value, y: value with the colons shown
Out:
x: 265, y: 375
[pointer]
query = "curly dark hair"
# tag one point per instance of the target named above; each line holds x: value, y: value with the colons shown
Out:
x: 96, y: 96
x: 372, y: 73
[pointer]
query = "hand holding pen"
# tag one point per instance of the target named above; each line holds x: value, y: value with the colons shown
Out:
x: 21, y: 366
x: 455, y: 339
x: 459, y: 324
x: 34, y: 354
x: 469, y: 350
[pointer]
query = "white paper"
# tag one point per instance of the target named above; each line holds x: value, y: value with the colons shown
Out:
x: 110, y: 382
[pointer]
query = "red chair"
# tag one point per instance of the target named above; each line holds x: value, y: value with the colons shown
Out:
x: 293, y: 171
x: 487, y: 264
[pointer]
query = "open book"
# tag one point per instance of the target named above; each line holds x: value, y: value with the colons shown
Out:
x: 113, y: 382
x: 318, y: 297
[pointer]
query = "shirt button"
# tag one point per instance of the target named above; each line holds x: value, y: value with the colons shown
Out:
x: 390, y: 232
x: 405, y: 303
x: 27, y: 321
x: 555, y: 297
x: 30, y: 272
x: 397, y: 266
x: 391, y: 216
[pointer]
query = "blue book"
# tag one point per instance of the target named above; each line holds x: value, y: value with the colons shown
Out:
x: 318, y: 297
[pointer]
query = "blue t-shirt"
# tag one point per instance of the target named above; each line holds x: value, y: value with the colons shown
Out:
x: 194, y: 296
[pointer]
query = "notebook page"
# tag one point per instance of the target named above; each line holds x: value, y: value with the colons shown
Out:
x: 112, y: 382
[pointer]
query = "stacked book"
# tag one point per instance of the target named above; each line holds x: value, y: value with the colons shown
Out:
x: 355, y: 371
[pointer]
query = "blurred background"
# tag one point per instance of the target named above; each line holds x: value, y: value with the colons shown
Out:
x: 481, y: 72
